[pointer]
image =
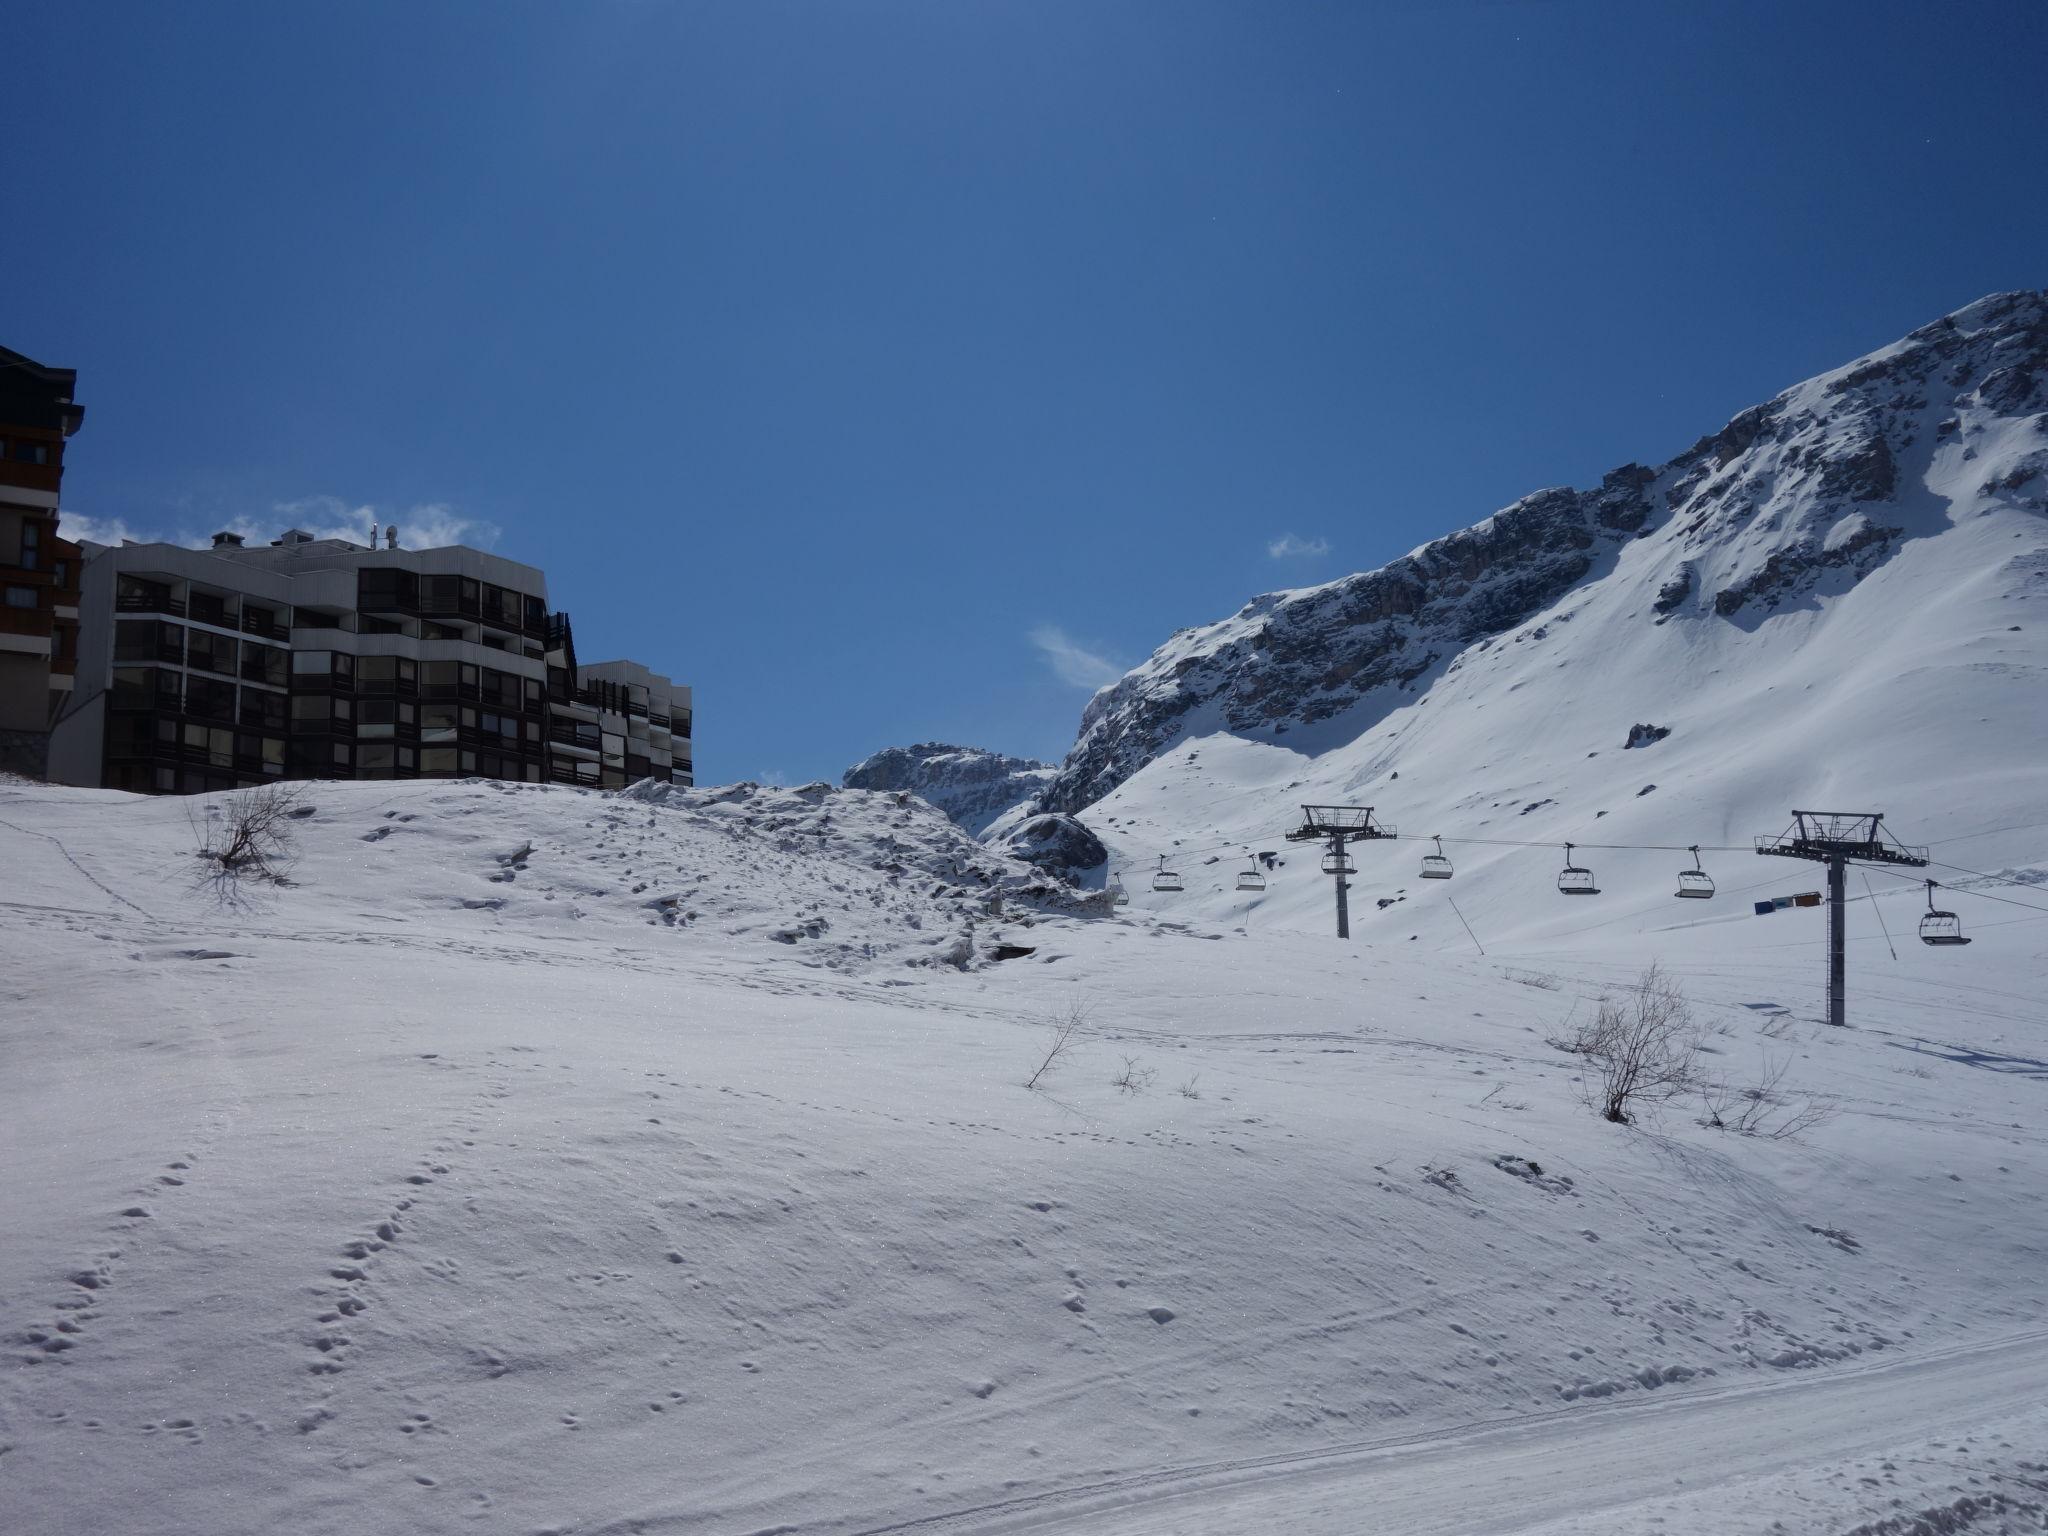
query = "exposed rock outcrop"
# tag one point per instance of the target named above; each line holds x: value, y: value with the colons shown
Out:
x: 971, y: 786
x: 1056, y: 843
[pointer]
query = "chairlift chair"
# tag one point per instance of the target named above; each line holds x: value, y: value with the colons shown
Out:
x: 1434, y: 865
x: 1574, y: 881
x: 1118, y: 896
x: 1164, y: 879
x: 1249, y: 878
x: 1335, y: 863
x: 1939, y: 927
x: 1695, y: 883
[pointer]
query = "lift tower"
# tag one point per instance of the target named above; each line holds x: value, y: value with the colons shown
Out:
x: 1838, y: 839
x: 1334, y: 826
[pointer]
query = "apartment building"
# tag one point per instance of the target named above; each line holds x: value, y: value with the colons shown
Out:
x: 208, y: 669
x: 39, y: 571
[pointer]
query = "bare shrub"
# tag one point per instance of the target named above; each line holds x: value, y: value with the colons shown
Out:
x: 1062, y: 1030
x: 1641, y: 1046
x: 1133, y: 1078
x: 1190, y: 1089
x: 1762, y: 1108
x: 250, y: 838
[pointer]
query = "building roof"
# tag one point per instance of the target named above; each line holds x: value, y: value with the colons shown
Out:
x: 33, y: 394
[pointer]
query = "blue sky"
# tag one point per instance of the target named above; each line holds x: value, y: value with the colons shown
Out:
x: 899, y: 371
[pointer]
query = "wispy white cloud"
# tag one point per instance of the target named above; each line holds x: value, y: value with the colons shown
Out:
x: 425, y: 525
x: 1071, y: 663
x: 77, y: 526
x: 1289, y: 547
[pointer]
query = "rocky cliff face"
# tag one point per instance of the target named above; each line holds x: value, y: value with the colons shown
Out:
x: 972, y: 787
x: 1790, y: 502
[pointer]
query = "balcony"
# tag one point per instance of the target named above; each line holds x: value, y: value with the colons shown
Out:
x: 149, y: 602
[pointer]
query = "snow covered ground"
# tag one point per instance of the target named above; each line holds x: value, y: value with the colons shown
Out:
x: 541, y: 1161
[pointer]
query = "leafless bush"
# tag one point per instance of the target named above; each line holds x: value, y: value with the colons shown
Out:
x: 1542, y: 981
x: 1779, y: 1027
x: 1133, y: 1078
x: 1641, y: 1046
x: 1493, y: 1099
x: 1762, y: 1108
x: 1191, y: 1088
x: 1062, y: 1029
x: 247, y: 837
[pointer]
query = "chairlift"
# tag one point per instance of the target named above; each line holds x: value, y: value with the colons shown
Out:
x: 1434, y: 865
x: 1695, y: 883
x: 1339, y: 863
x: 1249, y: 878
x: 1939, y: 927
x: 1574, y: 881
x: 1118, y: 896
x: 1164, y: 879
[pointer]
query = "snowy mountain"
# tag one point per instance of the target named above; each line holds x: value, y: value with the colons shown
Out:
x: 972, y: 786
x: 1759, y: 529
x: 1841, y: 600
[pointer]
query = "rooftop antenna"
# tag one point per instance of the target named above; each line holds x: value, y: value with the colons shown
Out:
x: 1837, y: 839
x: 1334, y: 826
x: 390, y: 536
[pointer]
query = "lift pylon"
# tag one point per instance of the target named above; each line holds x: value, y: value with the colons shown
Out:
x: 1334, y: 826
x: 1839, y: 839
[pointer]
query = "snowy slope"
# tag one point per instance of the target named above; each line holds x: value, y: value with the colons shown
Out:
x: 1841, y: 601
x: 412, y: 1197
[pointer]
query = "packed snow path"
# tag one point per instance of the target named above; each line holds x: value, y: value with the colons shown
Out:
x: 541, y: 1161
x: 1771, y: 1456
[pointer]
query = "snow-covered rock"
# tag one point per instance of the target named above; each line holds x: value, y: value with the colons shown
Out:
x: 1056, y: 842
x: 1792, y: 503
x: 971, y: 786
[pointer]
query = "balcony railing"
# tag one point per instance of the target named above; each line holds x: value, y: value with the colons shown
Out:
x: 149, y: 603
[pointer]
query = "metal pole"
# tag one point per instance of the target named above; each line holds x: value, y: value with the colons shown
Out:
x: 1343, y: 885
x: 1838, y: 990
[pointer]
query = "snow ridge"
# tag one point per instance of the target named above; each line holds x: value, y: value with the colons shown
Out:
x: 972, y: 786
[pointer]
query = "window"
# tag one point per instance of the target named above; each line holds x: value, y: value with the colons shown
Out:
x: 312, y: 663
x: 438, y: 722
x: 217, y: 747
x: 377, y: 759
x: 381, y: 718
x: 147, y: 640
x: 211, y: 653
x: 21, y: 597
x: 310, y: 709
x: 130, y: 735
x: 265, y: 664
x: 31, y: 542
x: 438, y: 759
x: 212, y: 700
x: 264, y: 710
x: 385, y: 674
x: 144, y: 688
x: 387, y: 589
x: 25, y: 452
